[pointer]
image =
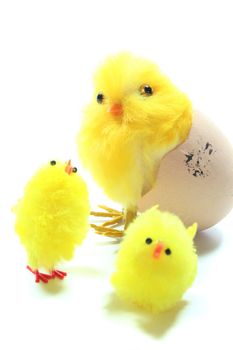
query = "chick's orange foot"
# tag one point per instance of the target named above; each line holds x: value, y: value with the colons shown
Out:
x: 116, y: 215
x: 40, y: 277
x: 106, y: 228
x: 58, y: 274
x: 107, y: 231
x: 44, y: 277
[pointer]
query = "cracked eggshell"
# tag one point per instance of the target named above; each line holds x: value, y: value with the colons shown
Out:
x: 195, y: 181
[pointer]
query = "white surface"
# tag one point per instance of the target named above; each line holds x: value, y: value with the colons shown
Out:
x: 48, y: 52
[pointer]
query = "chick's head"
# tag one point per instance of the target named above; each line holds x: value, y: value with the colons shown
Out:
x: 55, y: 179
x: 56, y: 187
x: 132, y: 94
x: 56, y: 171
x: 157, y: 260
x: 160, y: 241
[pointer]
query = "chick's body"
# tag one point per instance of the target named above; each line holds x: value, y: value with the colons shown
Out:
x: 136, y: 116
x: 52, y: 216
x: 157, y: 262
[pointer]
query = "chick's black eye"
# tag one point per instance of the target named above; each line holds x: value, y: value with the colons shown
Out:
x: 146, y: 90
x: 148, y: 240
x: 168, y: 251
x: 74, y: 170
x: 100, y: 98
x: 53, y: 162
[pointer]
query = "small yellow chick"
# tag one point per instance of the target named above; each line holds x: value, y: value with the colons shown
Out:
x: 135, y: 117
x: 157, y: 261
x: 52, y: 218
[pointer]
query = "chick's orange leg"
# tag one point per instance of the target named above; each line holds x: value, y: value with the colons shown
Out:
x: 43, y: 277
x: 130, y: 216
x: 107, y: 231
x: 117, y: 220
x: 59, y: 274
x: 107, y: 213
x: 118, y: 217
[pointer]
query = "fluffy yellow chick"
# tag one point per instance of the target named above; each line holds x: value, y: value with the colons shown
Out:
x: 52, y: 218
x: 135, y: 117
x: 157, y: 261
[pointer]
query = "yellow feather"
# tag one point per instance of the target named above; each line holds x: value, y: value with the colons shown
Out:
x: 123, y: 154
x: 52, y: 216
x: 155, y: 284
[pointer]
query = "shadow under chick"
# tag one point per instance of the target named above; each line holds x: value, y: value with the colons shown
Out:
x: 156, y: 325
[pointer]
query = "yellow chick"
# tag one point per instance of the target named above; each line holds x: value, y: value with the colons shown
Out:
x: 157, y: 261
x: 52, y: 218
x: 135, y: 117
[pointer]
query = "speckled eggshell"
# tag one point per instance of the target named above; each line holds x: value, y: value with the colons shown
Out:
x: 195, y: 181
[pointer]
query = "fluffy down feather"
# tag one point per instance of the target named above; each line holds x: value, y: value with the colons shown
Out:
x: 123, y: 152
x: 52, y: 216
x: 157, y: 261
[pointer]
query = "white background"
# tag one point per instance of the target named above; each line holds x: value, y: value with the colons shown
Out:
x: 48, y: 52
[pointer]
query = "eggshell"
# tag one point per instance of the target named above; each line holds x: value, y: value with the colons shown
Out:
x: 195, y: 181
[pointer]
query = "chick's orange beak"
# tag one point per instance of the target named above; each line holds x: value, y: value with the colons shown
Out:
x: 158, y: 250
x: 116, y: 109
x: 68, y: 168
